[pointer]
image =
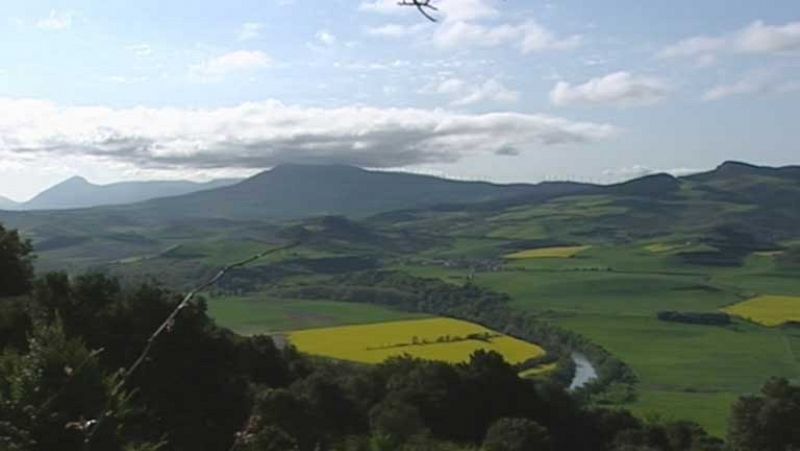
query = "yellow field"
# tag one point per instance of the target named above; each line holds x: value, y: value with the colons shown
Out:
x: 768, y: 310
x: 442, y: 339
x: 549, y: 252
x: 540, y: 370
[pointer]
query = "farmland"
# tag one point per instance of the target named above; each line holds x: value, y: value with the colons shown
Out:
x: 440, y: 339
x: 261, y: 314
x: 548, y: 252
x: 768, y: 310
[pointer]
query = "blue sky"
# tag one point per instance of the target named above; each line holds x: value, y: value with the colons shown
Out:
x: 501, y: 90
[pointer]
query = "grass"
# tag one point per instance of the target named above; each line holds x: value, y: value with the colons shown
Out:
x: 548, y: 252
x: 260, y: 314
x: 441, y: 339
x: 769, y: 311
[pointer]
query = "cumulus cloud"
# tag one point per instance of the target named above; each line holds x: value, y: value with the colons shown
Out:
x: 258, y: 135
x: 55, y: 20
x: 463, y: 24
x: 617, y: 89
x: 490, y: 90
x: 762, y: 38
x: 238, y: 61
x: 249, y: 31
x: 529, y: 36
x: 756, y: 38
x: 758, y: 83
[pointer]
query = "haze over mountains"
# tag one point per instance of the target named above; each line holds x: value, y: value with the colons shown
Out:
x: 77, y: 192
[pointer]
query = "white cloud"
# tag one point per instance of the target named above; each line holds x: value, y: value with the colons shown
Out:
x: 693, y: 47
x: 55, y: 20
x: 461, y: 26
x: 382, y: 7
x: 238, y: 61
x: 325, y: 37
x: 756, y: 38
x: 529, y: 36
x: 393, y: 30
x: 618, y: 89
x: 761, y: 38
x: 249, y: 31
x: 757, y: 83
x: 464, y: 93
x: 141, y: 50
x: 257, y: 135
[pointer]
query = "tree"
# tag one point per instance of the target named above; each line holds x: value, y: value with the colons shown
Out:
x: 16, y: 263
x: 516, y: 434
x: 49, y: 397
x: 768, y: 422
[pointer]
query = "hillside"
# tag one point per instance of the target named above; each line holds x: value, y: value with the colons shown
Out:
x: 296, y: 191
x: 77, y: 192
x: 7, y: 204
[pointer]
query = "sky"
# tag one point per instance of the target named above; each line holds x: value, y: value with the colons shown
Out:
x: 501, y: 90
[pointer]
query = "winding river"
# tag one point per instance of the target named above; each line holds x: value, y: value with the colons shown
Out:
x: 584, y: 371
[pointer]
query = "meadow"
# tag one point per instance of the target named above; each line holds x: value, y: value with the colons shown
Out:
x: 259, y: 313
x: 612, y: 294
x: 441, y: 339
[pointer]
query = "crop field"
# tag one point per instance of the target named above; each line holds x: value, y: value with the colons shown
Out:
x: 768, y: 310
x: 612, y: 295
x: 261, y: 314
x: 548, y: 252
x: 441, y: 339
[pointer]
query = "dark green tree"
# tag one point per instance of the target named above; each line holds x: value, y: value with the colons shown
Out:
x: 16, y: 263
x: 770, y: 422
x: 516, y: 434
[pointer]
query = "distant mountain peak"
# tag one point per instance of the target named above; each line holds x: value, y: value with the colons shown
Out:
x: 75, y: 180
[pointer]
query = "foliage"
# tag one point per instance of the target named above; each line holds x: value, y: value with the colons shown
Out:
x: 767, y: 422
x: 16, y: 263
x: 516, y: 434
x: 704, y: 318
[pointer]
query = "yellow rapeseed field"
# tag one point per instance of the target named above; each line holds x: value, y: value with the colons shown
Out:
x: 540, y: 370
x: 768, y: 310
x: 548, y: 252
x: 442, y: 339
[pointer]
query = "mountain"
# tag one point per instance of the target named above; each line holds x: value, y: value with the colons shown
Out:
x: 296, y: 191
x: 77, y: 192
x: 8, y: 204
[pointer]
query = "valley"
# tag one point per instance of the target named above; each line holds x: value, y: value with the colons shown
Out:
x: 601, y: 262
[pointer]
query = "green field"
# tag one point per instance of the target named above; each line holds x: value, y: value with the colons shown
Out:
x: 612, y: 295
x: 261, y: 314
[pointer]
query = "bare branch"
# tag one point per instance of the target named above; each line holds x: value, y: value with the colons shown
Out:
x: 422, y: 6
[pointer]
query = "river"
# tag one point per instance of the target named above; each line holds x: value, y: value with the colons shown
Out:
x: 584, y: 371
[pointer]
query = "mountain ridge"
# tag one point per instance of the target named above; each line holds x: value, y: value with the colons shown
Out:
x: 77, y: 192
